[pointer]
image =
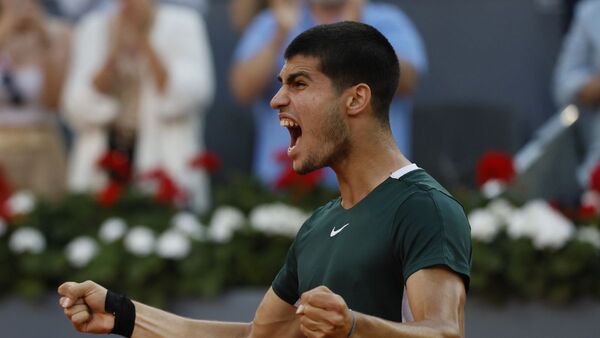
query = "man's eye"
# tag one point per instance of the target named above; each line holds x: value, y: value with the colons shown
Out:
x: 299, y: 84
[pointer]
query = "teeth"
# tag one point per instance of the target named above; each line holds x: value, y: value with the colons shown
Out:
x: 285, y: 122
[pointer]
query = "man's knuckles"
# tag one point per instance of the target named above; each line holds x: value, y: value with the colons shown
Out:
x: 329, y: 319
x: 80, y: 317
x: 75, y: 309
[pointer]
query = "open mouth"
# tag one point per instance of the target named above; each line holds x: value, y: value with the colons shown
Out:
x: 294, y: 129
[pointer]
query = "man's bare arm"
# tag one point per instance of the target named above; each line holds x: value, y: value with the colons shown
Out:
x: 273, y: 318
x: 436, y: 296
x: 437, y: 299
x: 153, y: 322
x: 84, y: 303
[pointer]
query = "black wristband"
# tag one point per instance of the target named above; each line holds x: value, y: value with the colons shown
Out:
x: 123, y: 310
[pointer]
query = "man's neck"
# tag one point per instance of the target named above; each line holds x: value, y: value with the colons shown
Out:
x: 367, y: 166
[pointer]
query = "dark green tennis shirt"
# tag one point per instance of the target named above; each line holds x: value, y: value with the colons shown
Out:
x: 366, y: 253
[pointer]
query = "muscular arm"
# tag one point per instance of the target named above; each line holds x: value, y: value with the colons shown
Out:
x: 273, y: 318
x: 436, y: 297
x: 152, y: 322
x: 83, y: 304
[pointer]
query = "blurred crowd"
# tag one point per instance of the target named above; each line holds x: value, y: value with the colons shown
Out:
x: 136, y: 78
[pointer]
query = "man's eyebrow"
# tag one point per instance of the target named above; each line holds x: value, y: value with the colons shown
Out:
x: 295, y: 75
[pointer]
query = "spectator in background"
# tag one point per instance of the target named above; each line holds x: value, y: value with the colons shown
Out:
x: 259, y: 56
x: 75, y: 9
x: 242, y: 12
x: 34, y: 52
x: 140, y: 83
x: 577, y: 80
x: 568, y: 11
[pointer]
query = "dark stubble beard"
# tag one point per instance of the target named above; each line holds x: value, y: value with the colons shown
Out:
x: 334, y: 139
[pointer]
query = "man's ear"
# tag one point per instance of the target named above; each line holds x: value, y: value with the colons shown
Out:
x: 359, y: 99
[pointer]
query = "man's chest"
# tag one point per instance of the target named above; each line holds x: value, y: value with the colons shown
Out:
x: 347, y: 249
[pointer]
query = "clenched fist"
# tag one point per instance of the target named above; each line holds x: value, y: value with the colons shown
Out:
x: 83, y: 304
x: 324, y: 314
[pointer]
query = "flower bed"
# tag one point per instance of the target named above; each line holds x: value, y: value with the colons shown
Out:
x: 150, y: 249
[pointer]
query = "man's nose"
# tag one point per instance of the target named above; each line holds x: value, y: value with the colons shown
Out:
x: 280, y: 99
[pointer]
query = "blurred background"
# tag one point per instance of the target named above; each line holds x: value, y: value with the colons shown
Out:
x: 137, y: 149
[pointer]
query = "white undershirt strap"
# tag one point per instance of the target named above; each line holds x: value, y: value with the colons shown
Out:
x: 404, y: 170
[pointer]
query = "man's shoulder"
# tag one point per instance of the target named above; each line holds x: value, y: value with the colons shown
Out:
x: 422, y: 191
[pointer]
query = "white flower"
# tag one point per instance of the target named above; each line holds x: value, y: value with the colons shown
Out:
x: 278, y: 218
x: 112, y: 229
x: 589, y: 235
x: 225, y: 221
x: 484, y: 225
x: 27, y: 240
x: 81, y: 251
x: 2, y: 227
x: 173, y: 244
x: 139, y: 241
x: 21, y: 202
x: 493, y: 188
x: 187, y: 224
x: 502, y: 209
x: 543, y: 225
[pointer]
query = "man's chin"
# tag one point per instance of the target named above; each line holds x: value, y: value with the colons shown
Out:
x: 303, y: 169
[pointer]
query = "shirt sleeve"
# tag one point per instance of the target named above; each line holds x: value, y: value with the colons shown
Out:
x: 256, y: 36
x: 574, y: 66
x: 433, y: 230
x: 285, y: 284
x: 402, y: 35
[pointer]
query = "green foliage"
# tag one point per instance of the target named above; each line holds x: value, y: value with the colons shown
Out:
x: 502, y: 269
x: 505, y: 269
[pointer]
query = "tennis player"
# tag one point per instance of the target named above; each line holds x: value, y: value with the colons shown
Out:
x: 393, y: 234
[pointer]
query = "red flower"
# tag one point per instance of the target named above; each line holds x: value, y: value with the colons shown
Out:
x: 207, y: 160
x: 116, y: 164
x: 167, y: 190
x: 5, y: 193
x: 110, y: 194
x: 291, y: 179
x: 595, y: 179
x: 587, y: 212
x: 495, y: 165
x: 5, y: 190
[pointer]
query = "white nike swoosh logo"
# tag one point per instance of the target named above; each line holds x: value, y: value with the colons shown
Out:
x: 335, y: 232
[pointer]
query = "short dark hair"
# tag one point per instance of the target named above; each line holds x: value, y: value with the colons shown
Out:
x: 350, y: 53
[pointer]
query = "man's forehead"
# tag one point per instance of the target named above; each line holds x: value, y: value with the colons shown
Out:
x: 301, y: 64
